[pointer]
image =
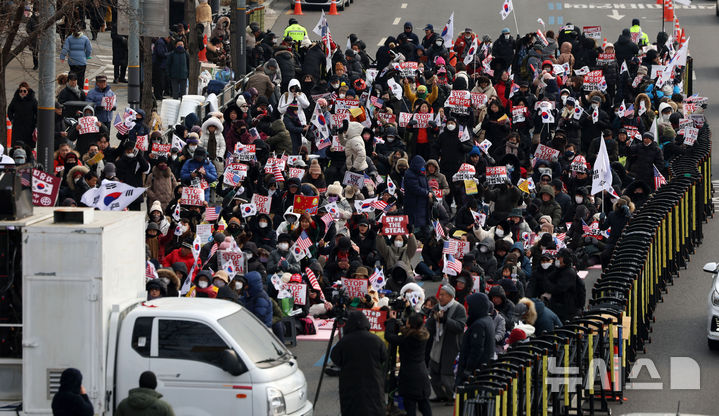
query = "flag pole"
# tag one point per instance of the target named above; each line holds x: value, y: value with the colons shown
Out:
x: 516, y: 26
x: 664, y: 5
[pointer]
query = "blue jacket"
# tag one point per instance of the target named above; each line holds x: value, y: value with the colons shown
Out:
x: 547, y: 320
x: 416, y: 189
x: 77, y: 50
x: 192, y: 165
x: 258, y: 302
x: 95, y: 95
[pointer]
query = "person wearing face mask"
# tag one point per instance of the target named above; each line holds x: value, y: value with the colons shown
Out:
x: 590, y: 128
x: 199, y: 168
x: 398, y: 251
x: 262, y: 232
x: 280, y: 257
x: 253, y: 259
x: 542, y: 273
x: 202, y: 286
x: 181, y: 254
x: 643, y: 157
x: 563, y: 288
x: 463, y: 42
x: 220, y: 279
x: 503, y: 51
x: 171, y: 281
x: 160, y: 184
x: 178, y: 68
x: 295, y: 95
x: 291, y: 222
x: 156, y: 216
x: 131, y: 167
x: 76, y: 184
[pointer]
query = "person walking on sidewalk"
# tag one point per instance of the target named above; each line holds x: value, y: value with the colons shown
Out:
x: 119, y: 56
x: 77, y: 49
x: 96, y: 95
x: 22, y: 112
x: 178, y: 67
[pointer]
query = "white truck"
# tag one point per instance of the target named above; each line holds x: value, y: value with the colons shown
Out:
x: 83, y: 306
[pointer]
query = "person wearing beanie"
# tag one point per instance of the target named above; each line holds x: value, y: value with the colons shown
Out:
x: 156, y: 288
x: 315, y: 177
x: 71, y: 398
x: 144, y: 400
x: 445, y: 325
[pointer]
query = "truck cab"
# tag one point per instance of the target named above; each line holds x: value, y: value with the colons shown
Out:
x: 208, y: 351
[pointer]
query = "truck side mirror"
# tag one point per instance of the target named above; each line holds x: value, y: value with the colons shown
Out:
x: 710, y: 267
x: 230, y: 362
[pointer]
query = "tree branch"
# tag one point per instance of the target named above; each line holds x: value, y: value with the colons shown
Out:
x: 13, y: 30
x: 7, y: 57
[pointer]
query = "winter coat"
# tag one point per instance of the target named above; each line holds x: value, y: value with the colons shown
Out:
x: 565, y: 55
x: 625, y: 49
x: 77, y: 50
x: 219, y: 139
x: 413, y: 374
x: 68, y: 401
x: 437, y: 180
x: 96, y: 95
x: 144, y: 402
x: 361, y: 357
x: 280, y: 142
x: 452, y: 324
x: 355, y: 155
x: 314, y: 61
x: 287, y: 64
x: 640, y: 161
x: 452, y: 151
x: 550, y: 207
x: 294, y: 127
x: 258, y: 302
x: 287, y: 98
x: 261, y: 82
x: 486, y: 259
x: 543, y: 318
x: 478, y: 342
x: 398, y: 256
x: 130, y: 170
x: 562, y: 285
x: 178, y: 64
x: 22, y: 112
x: 416, y: 189
x: 67, y: 94
x: 503, y: 51
x: 160, y: 186
x: 119, y: 47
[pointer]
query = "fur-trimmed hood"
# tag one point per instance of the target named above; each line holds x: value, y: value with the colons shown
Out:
x: 647, y: 102
x: 531, y: 316
x: 212, y: 121
x: 169, y: 274
x: 68, y: 177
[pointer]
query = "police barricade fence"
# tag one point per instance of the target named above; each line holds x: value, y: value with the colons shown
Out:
x: 584, y: 366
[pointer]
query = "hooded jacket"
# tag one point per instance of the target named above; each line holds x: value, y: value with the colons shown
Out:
x: 144, y: 402
x: 416, y: 189
x: 361, y: 357
x: 413, y: 374
x: 96, y: 95
x: 396, y: 256
x: 219, y: 138
x: 478, y: 341
x: 280, y: 141
x: 550, y: 207
x: 355, y: 155
x: 437, y: 180
x: 542, y: 318
x: 257, y: 301
x: 76, y: 49
x: 287, y: 98
x: 68, y: 401
x: 160, y: 186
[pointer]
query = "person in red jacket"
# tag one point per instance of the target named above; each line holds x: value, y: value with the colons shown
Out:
x: 183, y: 254
x: 463, y: 42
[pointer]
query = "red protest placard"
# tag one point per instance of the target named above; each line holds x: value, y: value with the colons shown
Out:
x: 44, y: 188
x: 478, y: 99
x: 192, y: 196
x: 297, y: 173
x: 606, y: 58
x: 108, y: 103
x: 408, y: 68
x: 459, y: 98
x: 594, y: 32
x: 376, y: 319
x: 386, y: 118
x: 337, y: 118
x: 592, y: 80
x: 141, y: 143
x: 344, y: 104
x: 159, y: 149
x: 356, y: 288
x: 394, y: 224
x: 497, y: 175
x: 299, y: 292
x: 422, y: 119
x: 271, y: 162
x: 519, y: 114
x: 306, y: 204
x: 88, y: 125
x: 236, y: 258
x: 262, y: 203
x: 545, y: 152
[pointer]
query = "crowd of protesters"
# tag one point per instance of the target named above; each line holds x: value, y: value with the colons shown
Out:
x: 496, y: 183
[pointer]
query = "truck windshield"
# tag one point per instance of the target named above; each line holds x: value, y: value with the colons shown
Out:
x: 254, y: 338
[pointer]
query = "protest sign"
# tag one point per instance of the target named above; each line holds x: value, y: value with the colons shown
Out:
x: 470, y: 187
x: 344, y: 104
x: 235, y: 173
x: 519, y: 114
x: 337, y: 118
x: 299, y: 292
x: 262, y: 203
x: 356, y: 288
x: 306, y: 204
x: 236, y: 258
x: 44, y: 188
x: 579, y: 164
x: 421, y: 119
x: 690, y: 135
x: 394, y: 224
x: 108, y: 103
x: 354, y: 179
x: 386, y: 118
x: 459, y: 98
x: 496, y: 175
x: 606, y: 58
x: 408, y: 69
x: 297, y: 173
x: 479, y: 99
x: 698, y: 119
x: 484, y: 146
x: 592, y: 80
x: 192, y: 196
x: 204, y: 231
x: 271, y: 162
x: 245, y: 152
x: 544, y: 152
x: 159, y: 149
x: 88, y: 124
x: 594, y: 32
x: 141, y: 143
x: 466, y: 171
x: 336, y: 146
x: 656, y: 70
x: 376, y: 320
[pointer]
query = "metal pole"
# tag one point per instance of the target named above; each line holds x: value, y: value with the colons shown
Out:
x: 239, y: 23
x: 133, y: 49
x: 663, y: 6
x: 46, y: 97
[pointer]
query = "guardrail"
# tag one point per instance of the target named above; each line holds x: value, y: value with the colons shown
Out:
x: 583, y: 366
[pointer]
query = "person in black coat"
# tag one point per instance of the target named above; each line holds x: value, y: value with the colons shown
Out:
x: 414, y: 386
x: 562, y: 286
x: 417, y: 192
x: 361, y: 357
x: 385, y: 53
x: 624, y: 48
x: 119, y: 52
x: 478, y: 341
x: 131, y: 165
x: 71, y: 398
x: 642, y: 159
x: 22, y: 112
x: 314, y: 61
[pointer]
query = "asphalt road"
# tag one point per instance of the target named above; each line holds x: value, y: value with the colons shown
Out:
x: 679, y: 330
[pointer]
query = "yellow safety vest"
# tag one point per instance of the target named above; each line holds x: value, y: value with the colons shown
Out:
x: 643, y: 39
x: 296, y: 32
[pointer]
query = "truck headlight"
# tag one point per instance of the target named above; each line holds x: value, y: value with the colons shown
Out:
x: 715, y: 298
x: 275, y: 402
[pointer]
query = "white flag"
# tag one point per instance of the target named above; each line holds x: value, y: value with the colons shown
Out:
x: 111, y: 196
x: 654, y: 130
x: 595, y: 115
x: 621, y: 110
x: 471, y: 52
x: 318, y: 120
x: 396, y: 89
x: 448, y: 32
x: 177, y: 143
x: 681, y: 55
x: 540, y: 21
x: 320, y: 23
x: 624, y: 68
x: 602, y: 176
x: 248, y: 210
x: 507, y: 8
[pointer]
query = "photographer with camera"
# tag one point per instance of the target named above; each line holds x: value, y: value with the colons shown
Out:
x: 446, y: 326
x: 414, y: 386
x: 361, y: 357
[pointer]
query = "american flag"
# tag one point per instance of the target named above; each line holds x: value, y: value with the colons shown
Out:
x: 150, y: 271
x: 313, y: 281
x: 439, y: 230
x: 452, y: 264
x: 377, y: 279
x: 586, y: 229
x: 212, y: 213
x: 327, y: 219
x: 120, y: 125
x: 368, y: 181
x: 451, y: 246
x: 213, y: 250
x: 278, y: 173
x: 379, y: 204
x: 658, y: 178
x: 304, y: 242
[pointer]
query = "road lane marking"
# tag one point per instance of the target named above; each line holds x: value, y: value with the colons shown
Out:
x: 626, y: 6
x: 403, y: 6
x: 381, y: 41
x: 396, y: 21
